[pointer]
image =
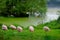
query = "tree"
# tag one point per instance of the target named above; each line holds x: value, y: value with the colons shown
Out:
x: 19, y: 7
x: 2, y: 6
x: 36, y: 5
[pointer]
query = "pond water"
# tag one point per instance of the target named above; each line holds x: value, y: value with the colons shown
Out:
x: 51, y: 14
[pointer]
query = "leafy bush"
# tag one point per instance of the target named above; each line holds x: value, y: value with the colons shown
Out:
x: 0, y: 25
x: 1, y: 35
x: 53, y: 25
x: 18, y: 8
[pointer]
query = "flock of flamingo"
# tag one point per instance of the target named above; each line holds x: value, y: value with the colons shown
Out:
x: 20, y: 29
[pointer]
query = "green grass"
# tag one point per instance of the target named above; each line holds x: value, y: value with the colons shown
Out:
x: 25, y: 22
x: 19, y: 21
x: 8, y: 21
x: 52, y: 24
x: 39, y: 34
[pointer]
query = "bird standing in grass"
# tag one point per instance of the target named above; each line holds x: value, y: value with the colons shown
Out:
x: 13, y: 27
x: 4, y: 27
x: 31, y: 28
x: 46, y: 29
x: 20, y: 29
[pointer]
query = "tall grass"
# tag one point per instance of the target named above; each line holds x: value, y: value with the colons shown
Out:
x: 27, y: 35
x: 52, y: 24
x: 38, y: 34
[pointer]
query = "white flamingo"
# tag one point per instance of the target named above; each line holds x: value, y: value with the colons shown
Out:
x: 20, y: 29
x: 13, y: 27
x: 45, y: 28
x: 4, y: 27
x: 31, y: 28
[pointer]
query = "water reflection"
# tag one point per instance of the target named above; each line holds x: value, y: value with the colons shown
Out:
x: 51, y: 14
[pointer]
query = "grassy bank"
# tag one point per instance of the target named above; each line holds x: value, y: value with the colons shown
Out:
x: 19, y: 21
x: 38, y: 34
x: 54, y: 34
x: 52, y: 24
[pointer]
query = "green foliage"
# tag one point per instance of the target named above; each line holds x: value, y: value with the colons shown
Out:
x: 1, y: 35
x: 38, y: 34
x: 36, y: 5
x: 2, y: 6
x: 18, y: 7
x: 58, y: 20
x: 53, y: 25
